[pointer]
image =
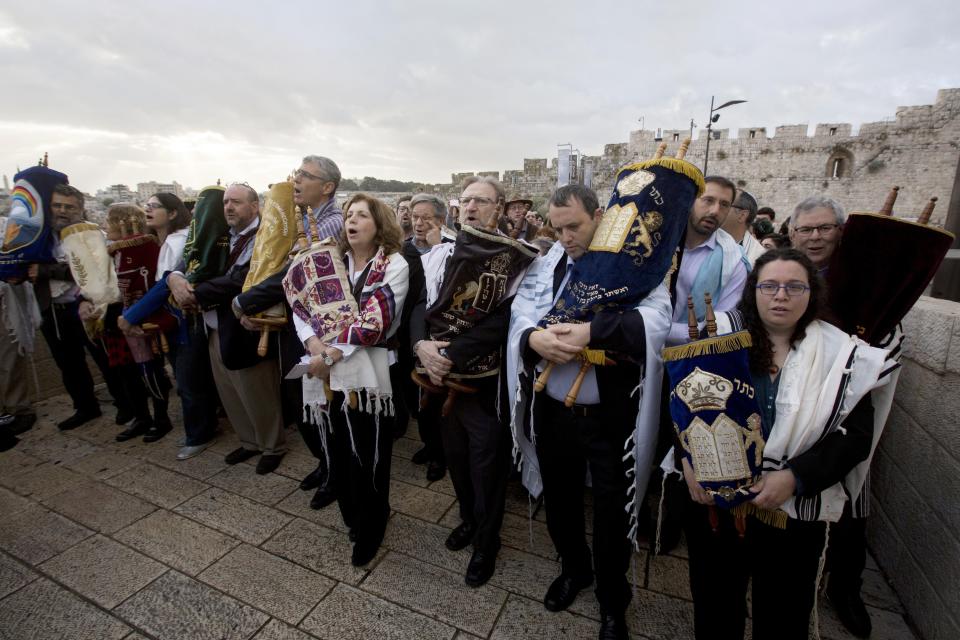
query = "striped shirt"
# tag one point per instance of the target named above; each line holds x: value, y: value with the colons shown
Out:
x: 329, y: 219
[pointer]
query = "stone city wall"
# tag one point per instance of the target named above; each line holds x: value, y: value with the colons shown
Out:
x: 914, y: 530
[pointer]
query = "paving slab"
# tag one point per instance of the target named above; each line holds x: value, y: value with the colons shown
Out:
x: 444, y: 485
x: 405, y: 447
x: 177, y: 541
x: 440, y: 594
x: 101, y: 465
x: 887, y: 625
x: 424, y: 541
x: 296, y: 466
x: 670, y: 575
x: 524, y: 618
x: 11, y: 503
x: 44, y: 481
x: 404, y: 469
x: 234, y: 515
x: 176, y: 607
x: 351, y: 614
x: 270, y: 583
x: 269, y: 489
x: 155, y: 484
x: 14, y: 463
x: 35, y: 534
x: 103, y: 570
x: 878, y: 593
x: 318, y: 548
x: 200, y: 467
x: 58, y: 448
x: 13, y: 575
x: 524, y: 573
x: 418, y: 502
x: 43, y: 610
x: 298, y: 504
x: 276, y: 630
x: 99, y: 507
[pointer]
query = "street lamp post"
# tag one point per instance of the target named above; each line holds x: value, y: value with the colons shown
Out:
x: 713, y: 118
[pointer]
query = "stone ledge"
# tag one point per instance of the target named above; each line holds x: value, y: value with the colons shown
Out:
x: 932, y: 331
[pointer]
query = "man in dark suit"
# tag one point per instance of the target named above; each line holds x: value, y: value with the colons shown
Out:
x: 249, y: 386
x: 590, y: 435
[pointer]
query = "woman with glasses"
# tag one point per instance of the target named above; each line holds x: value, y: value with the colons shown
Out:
x: 813, y: 384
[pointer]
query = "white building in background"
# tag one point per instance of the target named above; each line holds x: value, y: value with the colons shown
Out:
x: 117, y: 193
x: 147, y: 189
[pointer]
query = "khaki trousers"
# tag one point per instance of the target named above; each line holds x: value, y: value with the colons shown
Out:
x: 251, y: 398
x: 14, y: 397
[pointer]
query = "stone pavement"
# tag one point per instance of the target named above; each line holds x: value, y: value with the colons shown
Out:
x: 100, y: 540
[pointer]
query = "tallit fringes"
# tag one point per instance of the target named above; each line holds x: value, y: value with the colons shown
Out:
x: 777, y: 518
x: 816, y: 585
x: 709, y: 346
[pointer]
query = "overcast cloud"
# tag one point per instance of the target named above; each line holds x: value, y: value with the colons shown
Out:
x: 124, y: 92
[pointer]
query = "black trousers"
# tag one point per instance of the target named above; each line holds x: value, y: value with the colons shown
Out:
x: 430, y: 426
x: 67, y: 340
x: 782, y: 562
x: 292, y: 395
x: 847, y: 553
x: 477, y: 446
x: 362, y: 485
x: 567, y: 444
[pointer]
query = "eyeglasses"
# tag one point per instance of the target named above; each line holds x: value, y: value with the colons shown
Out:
x: 824, y: 229
x: 150, y: 206
x: 300, y: 173
x: 710, y: 201
x: 793, y: 289
x: 481, y: 202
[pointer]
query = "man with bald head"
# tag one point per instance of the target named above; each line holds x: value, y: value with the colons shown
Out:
x: 249, y: 385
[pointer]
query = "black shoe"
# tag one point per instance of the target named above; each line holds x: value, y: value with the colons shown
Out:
x: 313, y: 479
x: 124, y: 416
x: 7, y: 440
x: 364, y: 551
x: 352, y: 534
x: 460, y: 537
x: 613, y: 627
x: 239, y: 455
x: 435, y: 470
x: 159, y: 429
x: 322, y: 498
x: 482, y: 564
x: 421, y: 457
x: 563, y: 591
x: 268, y: 463
x: 852, y: 612
x: 77, y: 419
x: 137, y: 428
x: 21, y: 423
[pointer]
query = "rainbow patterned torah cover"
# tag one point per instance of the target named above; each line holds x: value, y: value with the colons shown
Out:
x: 26, y: 232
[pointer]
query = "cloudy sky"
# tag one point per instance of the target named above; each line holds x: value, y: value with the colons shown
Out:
x: 414, y: 90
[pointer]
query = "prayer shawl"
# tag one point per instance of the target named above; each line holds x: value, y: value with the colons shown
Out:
x: 93, y: 270
x: 315, y: 290
x: 534, y: 299
x: 824, y: 377
x: 752, y: 248
x: 21, y: 314
x: 716, y: 270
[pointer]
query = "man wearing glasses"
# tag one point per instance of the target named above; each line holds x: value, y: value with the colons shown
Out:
x: 476, y: 443
x: 743, y: 212
x: 710, y: 260
x: 314, y: 191
x: 815, y: 229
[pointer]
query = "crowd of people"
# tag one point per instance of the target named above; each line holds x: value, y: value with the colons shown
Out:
x: 355, y: 394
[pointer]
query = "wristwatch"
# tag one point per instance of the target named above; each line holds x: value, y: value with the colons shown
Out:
x: 327, y: 359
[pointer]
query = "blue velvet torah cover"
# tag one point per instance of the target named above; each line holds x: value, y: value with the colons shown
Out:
x: 716, y: 414
x: 27, y: 235
x: 634, y: 244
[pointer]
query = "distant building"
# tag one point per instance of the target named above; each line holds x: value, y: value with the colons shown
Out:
x: 147, y: 189
x: 117, y: 193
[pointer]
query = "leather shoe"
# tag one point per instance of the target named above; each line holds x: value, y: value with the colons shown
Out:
x: 159, y: 429
x: 192, y: 450
x: 852, y: 612
x: 268, y: 463
x: 563, y: 591
x: 77, y: 419
x: 435, y: 471
x: 21, y: 423
x: 322, y: 498
x: 421, y: 457
x: 124, y: 416
x: 137, y: 428
x: 460, y: 537
x: 365, y: 550
x: 7, y: 440
x: 482, y: 564
x: 313, y: 479
x: 613, y: 627
x: 239, y: 455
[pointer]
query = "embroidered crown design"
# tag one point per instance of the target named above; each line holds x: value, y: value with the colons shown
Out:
x: 702, y: 391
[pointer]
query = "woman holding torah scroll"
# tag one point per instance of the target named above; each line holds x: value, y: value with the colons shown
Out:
x: 813, y: 383
x: 346, y: 300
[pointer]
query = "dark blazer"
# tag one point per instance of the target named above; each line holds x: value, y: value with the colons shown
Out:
x: 238, y: 346
x: 264, y: 295
x: 46, y: 273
